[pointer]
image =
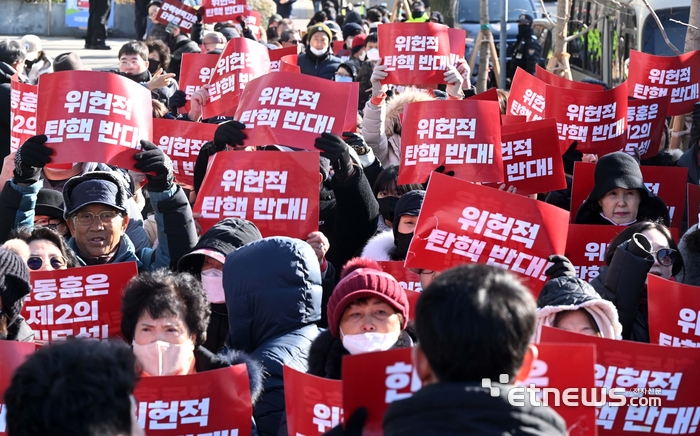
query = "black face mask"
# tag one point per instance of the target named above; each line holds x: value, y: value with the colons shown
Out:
x: 403, y: 240
x: 140, y: 77
x: 153, y: 65
x: 523, y: 29
x: 417, y: 14
x: 387, y: 205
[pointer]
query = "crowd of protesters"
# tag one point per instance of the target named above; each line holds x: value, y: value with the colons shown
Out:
x: 208, y: 300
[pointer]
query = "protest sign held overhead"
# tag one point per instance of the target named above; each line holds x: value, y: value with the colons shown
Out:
x: 586, y: 246
x: 458, y: 44
x: 463, y: 136
x: 91, y: 116
x: 646, y: 120
x: 276, y: 190
x: 241, y: 61
x: 12, y: 355
x: 217, y: 11
x: 314, y: 404
x: 290, y: 64
x: 562, y: 82
x: 23, y: 107
x: 674, y: 313
x: 461, y: 222
x: 292, y: 109
x: 526, y: 97
x: 177, y: 13
x: 83, y: 302
x: 195, y: 71
x: 414, y: 53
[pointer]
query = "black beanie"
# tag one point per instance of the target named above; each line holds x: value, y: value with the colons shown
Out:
x: 616, y: 170
x: 14, y: 283
x: 409, y: 204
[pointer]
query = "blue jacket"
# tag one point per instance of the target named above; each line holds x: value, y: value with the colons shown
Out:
x: 273, y: 297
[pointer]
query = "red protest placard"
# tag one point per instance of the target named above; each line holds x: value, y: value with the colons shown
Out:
x: 241, y: 61
x: 645, y: 125
x: 277, y: 190
x: 375, y: 380
x: 292, y: 109
x: 458, y: 44
x: 526, y: 97
x: 338, y: 46
x: 462, y: 135
x: 531, y: 157
x: 586, y: 246
x: 205, y: 403
x: 81, y: 302
x: 657, y: 386
x: 23, y: 105
x: 253, y: 22
x: 195, y: 71
x: 276, y: 57
x: 177, y: 13
x: 461, y: 222
x: 562, y: 82
x: 93, y: 116
x: 597, y: 120
x: 490, y: 94
x: 350, y: 123
x: 12, y: 355
x: 290, y: 64
x: 513, y: 119
x: 561, y: 367
x: 414, y: 53
x: 658, y: 76
x: 661, y: 181
x: 408, y: 280
x: 693, y: 206
x: 314, y: 404
x: 674, y: 313
x: 181, y: 141
x: 217, y: 11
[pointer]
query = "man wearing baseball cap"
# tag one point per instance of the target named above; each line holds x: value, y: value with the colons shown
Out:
x: 317, y: 59
x: 528, y: 51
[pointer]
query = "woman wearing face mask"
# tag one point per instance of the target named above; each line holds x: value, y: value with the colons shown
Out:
x: 393, y: 244
x: 158, y: 55
x: 367, y: 312
x: 388, y: 192
x: 318, y: 59
x: 346, y: 73
x: 206, y: 261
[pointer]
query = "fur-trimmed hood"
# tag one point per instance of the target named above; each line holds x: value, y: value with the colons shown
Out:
x: 395, y: 105
x: 381, y: 247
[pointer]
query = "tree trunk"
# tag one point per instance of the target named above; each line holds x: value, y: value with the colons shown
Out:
x: 692, y: 38
x: 482, y: 78
x: 448, y: 8
x: 559, y: 62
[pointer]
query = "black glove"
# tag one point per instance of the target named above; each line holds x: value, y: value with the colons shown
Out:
x: 177, y: 100
x: 638, y: 246
x: 441, y: 170
x: 354, y: 427
x: 231, y: 133
x: 562, y: 267
x: 356, y: 141
x: 31, y: 157
x: 570, y: 157
x: 153, y: 160
x: 337, y: 151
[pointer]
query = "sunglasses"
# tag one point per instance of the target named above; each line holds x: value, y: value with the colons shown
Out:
x: 665, y: 256
x: 35, y: 263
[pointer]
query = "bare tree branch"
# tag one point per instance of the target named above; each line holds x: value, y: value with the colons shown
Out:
x: 683, y: 24
x: 661, y: 27
x: 546, y: 14
x: 585, y: 29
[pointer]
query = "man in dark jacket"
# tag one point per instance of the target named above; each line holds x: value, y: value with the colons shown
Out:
x: 317, y: 59
x: 12, y: 56
x: 491, y: 303
x: 133, y: 64
x: 527, y: 51
x: 273, y: 295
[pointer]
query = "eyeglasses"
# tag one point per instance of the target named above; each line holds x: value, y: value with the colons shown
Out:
x: 35, y: 262
x: 665, y: 256
x: 86, y: 218
x: 45, y: 222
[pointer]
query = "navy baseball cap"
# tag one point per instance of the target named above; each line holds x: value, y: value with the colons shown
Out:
x: 95, y: 191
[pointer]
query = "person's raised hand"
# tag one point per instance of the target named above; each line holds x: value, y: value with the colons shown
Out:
x: 152, y: 160
x: 229, y: 133
x: 31, y: 157
x: 378, y: 74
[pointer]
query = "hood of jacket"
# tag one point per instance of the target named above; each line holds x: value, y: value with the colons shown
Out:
x: 395, y: 105
x: 651, y: 208
x: 272, y: 287
x: 381, y: 247
x: 468, y: 408
x: 571, y: 293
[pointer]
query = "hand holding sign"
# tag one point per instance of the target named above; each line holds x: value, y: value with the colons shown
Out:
x: 378, y: 74
x: 30, y: 159
x: 454, y: 80
x: 337, y: 151
x: 153, y: 160
x: 229, y: 133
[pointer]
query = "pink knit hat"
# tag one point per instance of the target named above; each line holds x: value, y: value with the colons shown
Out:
x: 363, y: 278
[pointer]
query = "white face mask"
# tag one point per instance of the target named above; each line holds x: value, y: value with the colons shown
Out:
x: 373, y: 54
x: 339, y: 78
x: 213, y: 284
x: 362, y: 56
x: 369, y: 342
x: 165, y: 358
x: 318, y: 52
x: 348, y: 43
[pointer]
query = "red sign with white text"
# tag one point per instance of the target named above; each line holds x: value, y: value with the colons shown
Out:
x: 276, y: 57
x: 674, y: 313
x: 314, y: 404
x: 531, y: 157
x: 414, y: 53
x: 462, y: 135
x: 665, y: 374
x: 12, y: 355
x: 177, y: 13
x: 461, y: 222
x: 563, y: 82
x: 586, y: 246
x: 218, y: 11
x: 408, y: 280
x: 526, y: 97
x: 564, y: 366
x: 375, y: 380
x: 81, y: 302
x: 276, y: 190
x: 215, y: 402
x: 253, y: 22
x: 458, y: 44
x: 241, y: 61
x: 512, y: 119
x: 597, y: 120
x: 645, y: 125
x: 661, y: 181
x: 490, y: 94
x: 292, y: 109
x: 23, y: 105
x: 181, y: 141
x: 693, y: 206
x: 350, y: 124
x: 93, y: 116
x: 195, y: 71
x: 658, y: 76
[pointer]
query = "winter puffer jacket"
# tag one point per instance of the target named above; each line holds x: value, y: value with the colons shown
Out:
x: 273, y: 296
x: 320, y: 66
x: 571, y: 293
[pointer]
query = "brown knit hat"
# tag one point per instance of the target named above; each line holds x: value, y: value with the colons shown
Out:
x: 318, y: 27
x: 363, y: 278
